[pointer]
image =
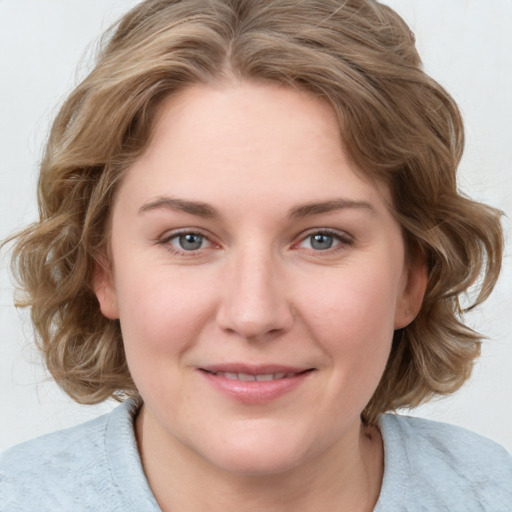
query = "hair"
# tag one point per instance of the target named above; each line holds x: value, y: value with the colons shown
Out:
x: 396, y: 123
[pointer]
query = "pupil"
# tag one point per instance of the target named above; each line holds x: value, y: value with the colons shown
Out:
x: 190, y: 241
x: 321, y: 242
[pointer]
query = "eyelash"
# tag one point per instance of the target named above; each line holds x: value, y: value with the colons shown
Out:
x: 343, y: 240
x: 166, y: 242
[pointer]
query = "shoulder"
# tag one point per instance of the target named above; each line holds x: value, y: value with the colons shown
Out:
x: 447, y: 441
x: 446, y: 466
x: 60, y: 470
x: 65, y: 445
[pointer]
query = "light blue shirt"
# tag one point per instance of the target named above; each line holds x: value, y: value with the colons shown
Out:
x: 96, y: 467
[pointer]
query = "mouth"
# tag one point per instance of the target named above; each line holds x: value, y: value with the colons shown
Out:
x: 258, y: 377
x: 251, y: 385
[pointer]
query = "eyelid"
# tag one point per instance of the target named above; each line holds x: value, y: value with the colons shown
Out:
x: 165, y: 240
x: 342, y: 237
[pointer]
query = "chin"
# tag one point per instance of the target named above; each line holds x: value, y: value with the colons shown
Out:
x: 256, y: 453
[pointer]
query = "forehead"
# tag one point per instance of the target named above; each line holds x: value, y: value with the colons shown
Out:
x: 252, y: 140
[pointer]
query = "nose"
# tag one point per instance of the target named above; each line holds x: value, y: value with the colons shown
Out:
x: 254, y: 301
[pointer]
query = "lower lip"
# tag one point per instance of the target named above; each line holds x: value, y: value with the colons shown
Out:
x: 255, y: 392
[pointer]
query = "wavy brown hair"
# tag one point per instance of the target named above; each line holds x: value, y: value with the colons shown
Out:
x: 396, y: 123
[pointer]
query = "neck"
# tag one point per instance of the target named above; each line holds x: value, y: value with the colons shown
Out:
x: 347, y: 477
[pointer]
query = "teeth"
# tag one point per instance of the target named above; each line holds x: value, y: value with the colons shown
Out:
x: 246, y: 377
x: 268, y: 376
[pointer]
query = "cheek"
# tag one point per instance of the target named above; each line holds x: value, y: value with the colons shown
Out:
x: 161, y: 312
x: 358, y: 308
x: 353, y: 322
x: 161, y: 319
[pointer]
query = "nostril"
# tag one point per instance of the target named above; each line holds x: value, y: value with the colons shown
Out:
x: 253, y: 315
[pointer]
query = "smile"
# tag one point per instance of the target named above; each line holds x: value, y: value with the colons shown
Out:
x: 247, y: 377
x: 255, y: 385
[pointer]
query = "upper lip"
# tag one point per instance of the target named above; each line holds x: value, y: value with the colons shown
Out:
x: 252, y: 369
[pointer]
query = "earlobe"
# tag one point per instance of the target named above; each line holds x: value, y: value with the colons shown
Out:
x: 103, y: 285
x: 413, y: 292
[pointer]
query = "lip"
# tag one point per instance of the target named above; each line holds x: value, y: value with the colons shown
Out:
x: 255, y: 391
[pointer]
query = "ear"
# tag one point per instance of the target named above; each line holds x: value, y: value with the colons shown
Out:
x: 414, y: 284
x: 103, y: 285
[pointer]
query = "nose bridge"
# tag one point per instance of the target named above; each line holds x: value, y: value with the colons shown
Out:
x: 255, y: 302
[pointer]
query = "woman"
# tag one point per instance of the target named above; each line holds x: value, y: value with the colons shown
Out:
x: 251, y: 230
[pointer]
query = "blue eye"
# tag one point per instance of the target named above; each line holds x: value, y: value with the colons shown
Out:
x: 325, y: 240
x: 188, y: 241
x: 321, y: 241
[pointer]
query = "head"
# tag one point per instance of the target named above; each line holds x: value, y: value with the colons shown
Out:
x: 398, y: 128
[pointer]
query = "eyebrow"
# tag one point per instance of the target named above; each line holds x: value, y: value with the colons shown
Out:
x: 205, y: 210
x: 193, y: 207
x: 308, y: 209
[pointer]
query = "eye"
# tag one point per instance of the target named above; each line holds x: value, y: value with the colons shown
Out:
x: 186, y: 241
x: 324, y: 240
x: 189, y: 241
x: 321, y: 241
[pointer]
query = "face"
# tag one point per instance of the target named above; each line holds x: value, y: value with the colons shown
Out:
x: 258, y: 279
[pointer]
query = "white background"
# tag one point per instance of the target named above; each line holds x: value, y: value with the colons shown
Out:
x: 465, y: 44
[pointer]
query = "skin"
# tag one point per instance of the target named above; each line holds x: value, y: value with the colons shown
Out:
x: 258, y: 289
